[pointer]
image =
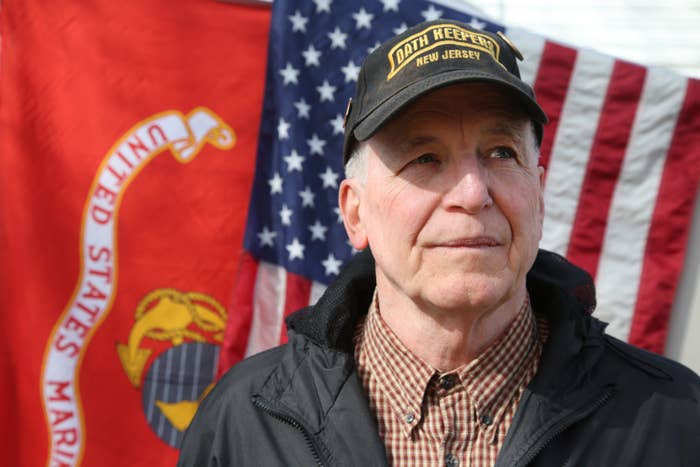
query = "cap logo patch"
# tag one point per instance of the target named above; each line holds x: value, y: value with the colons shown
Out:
x: 468, y: 44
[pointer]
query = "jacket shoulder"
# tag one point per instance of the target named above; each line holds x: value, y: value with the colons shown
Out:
x: 655, y: 364
x: 662, y: 373
x: 249, y: 372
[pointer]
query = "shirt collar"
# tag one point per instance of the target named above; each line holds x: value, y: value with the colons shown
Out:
x: 490, y: 380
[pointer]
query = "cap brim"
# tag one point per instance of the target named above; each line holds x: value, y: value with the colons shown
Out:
x: 387, y: 109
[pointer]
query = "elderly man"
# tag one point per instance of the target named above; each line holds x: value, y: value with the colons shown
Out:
x: 454, y: 342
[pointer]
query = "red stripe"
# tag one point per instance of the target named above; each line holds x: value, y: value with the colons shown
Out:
x: 551, y: 85
x: 240, y: 315
x: 670, y: 225
x: 298, y: 295
x: 605, y: 163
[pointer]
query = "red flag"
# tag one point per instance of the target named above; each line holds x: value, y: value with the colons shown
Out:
x: 127, y: 147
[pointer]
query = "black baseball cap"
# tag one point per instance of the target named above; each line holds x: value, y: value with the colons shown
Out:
x: 426, y: 57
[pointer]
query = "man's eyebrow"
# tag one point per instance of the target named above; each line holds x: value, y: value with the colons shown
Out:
x: 513, y: 130
x: 414, y: 141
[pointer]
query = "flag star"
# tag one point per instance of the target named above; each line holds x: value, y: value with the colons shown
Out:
x: 283, y: 129
x: 298, y: 21
x: 307, y: 197
x: 351, y: 71
x: 374, y: 47
x: 290, y: 74
x: 331, y: 265
x: 431, y: 13
x: 294, y: 161
x: 476, y: 24
x: 337, y: 38
x: 390, y: 5
x: 337, y: 124
x: 323, y: 5
x: 275, y: 184
x: 295, y: 249
x: 400, y: 29
x: 316, y: 144
x: 363, y: 19
x: 311, y: 56
x: 326, y: 91
x: 267, y: 237
x: 302, y: 108
x: 318, y: 231
x: 286, y: 215
x: 330, y: 178
x: 337, y: 212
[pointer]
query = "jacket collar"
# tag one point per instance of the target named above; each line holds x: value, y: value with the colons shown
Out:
x: 331, y: 322
x: 564, y: 293
x: 557, y: 288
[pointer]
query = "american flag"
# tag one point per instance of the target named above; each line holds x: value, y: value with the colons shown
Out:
x: 622, y: 153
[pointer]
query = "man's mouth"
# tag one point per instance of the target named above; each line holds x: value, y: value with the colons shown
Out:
x: 467, y: 242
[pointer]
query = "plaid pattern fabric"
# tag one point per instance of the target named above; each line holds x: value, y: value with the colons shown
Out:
x: 458, y: 418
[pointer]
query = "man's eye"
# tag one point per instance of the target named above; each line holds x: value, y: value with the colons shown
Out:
x: 426, y: 159
x: 503, y: 152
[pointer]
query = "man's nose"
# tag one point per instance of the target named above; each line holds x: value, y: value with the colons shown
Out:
x: 469, y: 187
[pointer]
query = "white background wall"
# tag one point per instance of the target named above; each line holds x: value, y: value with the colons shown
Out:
x: 650, y: 33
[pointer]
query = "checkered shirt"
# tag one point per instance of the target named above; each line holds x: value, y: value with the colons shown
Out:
x: 459, y: 418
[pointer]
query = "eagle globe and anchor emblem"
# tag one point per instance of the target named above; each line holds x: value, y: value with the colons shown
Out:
x: 179, y: 378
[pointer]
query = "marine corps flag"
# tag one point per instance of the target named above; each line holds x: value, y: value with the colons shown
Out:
x: 127, y: 149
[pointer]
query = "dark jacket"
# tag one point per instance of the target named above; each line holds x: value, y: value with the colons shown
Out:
x: 595, y: 400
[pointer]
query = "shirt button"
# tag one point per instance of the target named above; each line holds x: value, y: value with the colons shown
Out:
x: 486, y: 419
x: 410, y: 417
x: 451, y: 461
x: 447, y: 382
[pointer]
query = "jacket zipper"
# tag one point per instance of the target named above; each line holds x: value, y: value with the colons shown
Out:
x: 566, y: 423
x: 284, y: 418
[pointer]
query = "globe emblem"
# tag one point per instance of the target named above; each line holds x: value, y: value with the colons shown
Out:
x: 174, y: 385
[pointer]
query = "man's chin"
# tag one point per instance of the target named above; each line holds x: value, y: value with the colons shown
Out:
x: 470, y: 261
x: 478, y: 293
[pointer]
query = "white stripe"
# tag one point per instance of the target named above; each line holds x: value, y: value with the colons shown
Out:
x: 632, y: 207
x: 317, y: 290
x: 268, y: 308
x: 531, y: 46
x: 572, y: 147
x: 464, y: 7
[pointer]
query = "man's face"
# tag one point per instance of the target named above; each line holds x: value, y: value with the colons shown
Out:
x: 451, y: 202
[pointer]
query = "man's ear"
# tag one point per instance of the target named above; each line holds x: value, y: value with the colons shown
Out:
x: 350, y: 201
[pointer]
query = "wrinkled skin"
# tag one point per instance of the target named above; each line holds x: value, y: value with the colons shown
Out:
x: 451, y: 205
